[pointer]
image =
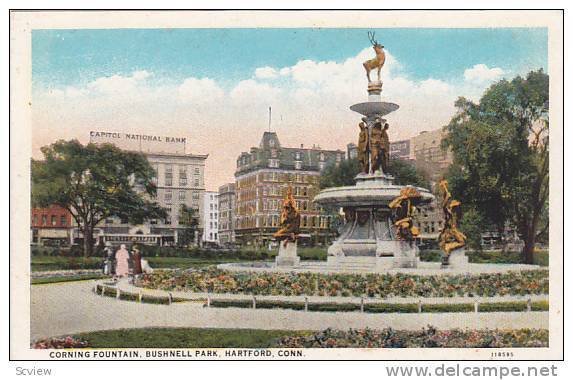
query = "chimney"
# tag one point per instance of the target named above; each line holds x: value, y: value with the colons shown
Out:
x: 301, y: 146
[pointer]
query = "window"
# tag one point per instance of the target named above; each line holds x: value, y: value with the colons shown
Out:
x: 168, y: 175
x: 297, y: 165
x: 182, y: 195
x: 196, y: 182
x: 273, y: 163
x: 35, y: 219
x: 197, y: 171
x: 195, y: 195
x: 168, y: 196
x: 182, y: 181
x: 53, y: 219
x: 44, y: 220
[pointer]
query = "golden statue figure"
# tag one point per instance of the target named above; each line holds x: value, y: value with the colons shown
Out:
x: 290, y: 220
x: 380, y: 146
x: 375, y: 63
x: 403, y: 209
x: 363, y: 148
x: 450, y: 237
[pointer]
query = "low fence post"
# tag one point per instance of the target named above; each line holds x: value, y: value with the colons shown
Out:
x: 254, y: 302
x: 208, y: 300
x: 117, y: 293
x: 103, y: 290
x: 95, y: 287
x: 529, y: 304
x: 419, y: 306
x: 305, y: 303
x: 170, y: 298
x: 140, y: 296
x: 362, y: 304
x: 476, y: 307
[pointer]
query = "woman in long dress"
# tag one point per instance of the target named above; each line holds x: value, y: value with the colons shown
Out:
x: 122, y: 262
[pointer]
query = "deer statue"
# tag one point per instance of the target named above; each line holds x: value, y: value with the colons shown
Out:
x: 375, y: 63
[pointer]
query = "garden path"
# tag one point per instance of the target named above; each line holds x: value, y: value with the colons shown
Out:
x: 73, y: 307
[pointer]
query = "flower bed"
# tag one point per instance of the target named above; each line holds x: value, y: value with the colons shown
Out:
x: 370, y: 285
x: 67, y: 342
x: 430, y: 337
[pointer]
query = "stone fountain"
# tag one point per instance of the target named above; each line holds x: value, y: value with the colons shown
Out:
x: 371, y: 236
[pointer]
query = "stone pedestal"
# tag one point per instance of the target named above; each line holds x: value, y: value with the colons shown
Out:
x: 456, y: 260
x: 287, y: 256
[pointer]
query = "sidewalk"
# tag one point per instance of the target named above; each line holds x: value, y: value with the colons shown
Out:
x: 69, y: 308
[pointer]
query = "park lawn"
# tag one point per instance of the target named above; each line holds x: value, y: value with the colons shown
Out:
x: 46, y: 263
x: 186, y: 338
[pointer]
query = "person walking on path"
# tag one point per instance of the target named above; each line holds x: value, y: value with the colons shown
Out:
x: 122, y: 262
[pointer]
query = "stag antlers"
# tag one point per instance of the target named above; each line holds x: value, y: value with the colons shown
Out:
x: 371, y: 36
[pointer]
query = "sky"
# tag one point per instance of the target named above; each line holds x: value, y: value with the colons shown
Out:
x: 214, y: 86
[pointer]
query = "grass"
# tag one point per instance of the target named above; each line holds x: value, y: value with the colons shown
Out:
x: 186, y: 337
x: 46, y: 263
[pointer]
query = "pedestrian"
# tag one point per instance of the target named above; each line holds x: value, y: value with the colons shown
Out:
x: 109, y: 262
x: 122, y: 262
x: 136, y: 260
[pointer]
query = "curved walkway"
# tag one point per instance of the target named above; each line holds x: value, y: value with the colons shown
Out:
x: 69, y: 308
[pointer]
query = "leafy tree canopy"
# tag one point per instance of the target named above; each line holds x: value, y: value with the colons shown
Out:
x: 95, y: 182
x: 343, y: 174
x: 501, y: 155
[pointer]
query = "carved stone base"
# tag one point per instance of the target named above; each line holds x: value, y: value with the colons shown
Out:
x: 287, y: 256
x: 404, y: 255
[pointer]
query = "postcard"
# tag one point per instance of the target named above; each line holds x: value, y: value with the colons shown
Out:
x: 286, y: 185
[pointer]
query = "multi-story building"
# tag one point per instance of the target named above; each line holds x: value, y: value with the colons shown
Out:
x: 227, y: 214
x: 51, y: 226
x: 351, y: 151
x: 262, y: 178
x: 398, y: 149
x: 426, y: 149
x: 210, y: 217
x: 180, y: 180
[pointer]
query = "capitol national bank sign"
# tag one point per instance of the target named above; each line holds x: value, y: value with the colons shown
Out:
x: 140, y: 142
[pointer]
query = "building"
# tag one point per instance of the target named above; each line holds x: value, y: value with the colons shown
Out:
x: 227, y: 214
x: 211, y: 217
x: 351, y: 151
x: 180, y: 180
x: 426, y: 149
x: 398, y: 150
x: 51, y: 226
x: 430, y: 220
x: 261, y: 180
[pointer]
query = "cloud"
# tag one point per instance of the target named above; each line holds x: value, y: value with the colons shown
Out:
x: 266, y: 73
x: 200, y: 91
x: 118, y: 83
x: 480, y: 73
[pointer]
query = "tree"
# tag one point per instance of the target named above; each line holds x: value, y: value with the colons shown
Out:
x: 344, y: 173
x: 189, y: 220
x: 95, y: 182
x: 501, y: 155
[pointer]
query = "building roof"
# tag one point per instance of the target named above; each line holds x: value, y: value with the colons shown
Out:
x: 270, y: 148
